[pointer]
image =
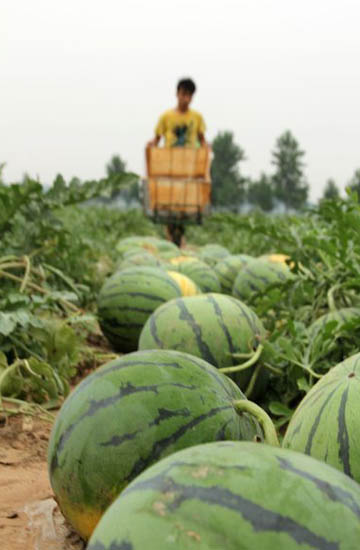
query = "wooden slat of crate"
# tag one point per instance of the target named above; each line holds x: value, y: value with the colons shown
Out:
x: 179, y: 195
x: 178, y: 162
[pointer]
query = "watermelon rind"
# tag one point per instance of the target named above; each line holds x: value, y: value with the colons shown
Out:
x: 257, y: 276
x: 341, y: 316
x: 211, y: 326
x: 128, y: 298
x: 202, y: 274
x: 234, y: 495
x: 127, y: 415
x: 228, y: 268
x: 326, y: 423
x: 212, y: 253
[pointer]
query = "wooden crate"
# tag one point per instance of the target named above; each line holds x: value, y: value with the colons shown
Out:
x: 184, y: 162
x: 186, y: 196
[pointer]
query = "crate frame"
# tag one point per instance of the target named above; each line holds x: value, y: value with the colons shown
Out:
x: 170, y: 170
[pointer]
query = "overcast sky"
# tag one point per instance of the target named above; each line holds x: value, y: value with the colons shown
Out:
x: 82, y: 80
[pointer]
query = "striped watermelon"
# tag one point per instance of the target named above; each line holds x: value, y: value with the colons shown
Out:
x: 128, y: 298
x: 181, y: 259
x: 228, y: 269
x: 342, y: 316
x: 143, y: 258
x: 326, y: 424
x: 202, y: 274
x: 257, y: 276
x: 211, y: 326
x: 234, y: 496
x: 213, y: 253
x: 152, y: 244
x: 130, y: 413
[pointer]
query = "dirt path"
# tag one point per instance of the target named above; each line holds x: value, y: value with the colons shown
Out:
x: 29, y: 516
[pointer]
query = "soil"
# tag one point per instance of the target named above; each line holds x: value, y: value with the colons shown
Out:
x: 29, y: 516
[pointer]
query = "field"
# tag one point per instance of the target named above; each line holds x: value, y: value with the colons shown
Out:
x: 56, y: 251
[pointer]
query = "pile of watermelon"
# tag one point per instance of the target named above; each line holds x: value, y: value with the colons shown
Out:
x: 167, y: 446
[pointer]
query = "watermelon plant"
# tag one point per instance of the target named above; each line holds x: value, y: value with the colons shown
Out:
x: 234, y: 495
x: 130, y: 413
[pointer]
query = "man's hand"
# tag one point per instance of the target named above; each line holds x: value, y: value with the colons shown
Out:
x: 154, y: 142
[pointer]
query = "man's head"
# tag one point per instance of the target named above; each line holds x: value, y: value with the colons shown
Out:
x: 185, y: 90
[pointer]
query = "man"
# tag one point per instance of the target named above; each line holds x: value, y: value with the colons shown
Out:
x: 181, y: 126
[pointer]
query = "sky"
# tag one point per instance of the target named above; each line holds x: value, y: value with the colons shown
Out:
x: 82, y: 80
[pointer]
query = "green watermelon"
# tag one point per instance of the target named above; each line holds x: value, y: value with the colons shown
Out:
x: 128, y: 298
x: 130, y: 413
x: 152, y: 244
x: 228, y: 269
x: 211, y: 326
x: 257, y: 276
x: 143, y: 258
x: 342, y: 316
x: 212, y: 253
x: 326, y: 424
x: 234, y: 496
x: 202, y: 274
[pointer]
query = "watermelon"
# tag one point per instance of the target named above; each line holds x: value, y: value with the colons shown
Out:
x: 187, y: 286
x: 228, y: 268
x: 202, y: 274
x: 213, y: 253
x: 257, y: 276
x: 326, y: 424
x: 145, y: 243
x: 152, y: 244
x: 181, y: 259
x: 211, y: 326
x: 342, y: 316
x: 143, y: 258
x: 128, y: 298
x: 234, y: 496
x: 130, y: 413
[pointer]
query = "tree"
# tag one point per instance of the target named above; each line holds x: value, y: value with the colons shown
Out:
x: 261, y: 193
x: 129, y: 192
x: 331, y: 190
x: 227, y: 183
x: 115, y: 166
x: 2, y: 166
x: 354, y: 183
x: 289, y: 181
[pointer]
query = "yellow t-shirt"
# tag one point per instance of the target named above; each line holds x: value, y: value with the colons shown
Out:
x: 180, y: 129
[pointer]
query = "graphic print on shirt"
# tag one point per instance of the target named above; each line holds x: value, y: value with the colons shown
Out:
x: 182, y: 134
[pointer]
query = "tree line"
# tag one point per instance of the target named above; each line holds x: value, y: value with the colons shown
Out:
x: 286, y: 186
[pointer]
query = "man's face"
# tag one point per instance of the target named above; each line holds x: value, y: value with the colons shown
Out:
x: 184, y: 98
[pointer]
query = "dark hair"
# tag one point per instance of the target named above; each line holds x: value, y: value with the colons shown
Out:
x: 187, y: 85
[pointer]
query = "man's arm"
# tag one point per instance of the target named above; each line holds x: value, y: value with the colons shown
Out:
x: 154, y: 142
x: 202, y: 139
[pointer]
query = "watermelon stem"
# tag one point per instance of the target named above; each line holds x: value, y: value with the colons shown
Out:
x: 330, y: 297
x: 246, y: 365
x: 243, y: 405
x: 253, y: 379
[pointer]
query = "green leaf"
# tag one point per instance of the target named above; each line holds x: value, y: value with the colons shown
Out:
x: 7, y: 323
x: 279, y: 409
